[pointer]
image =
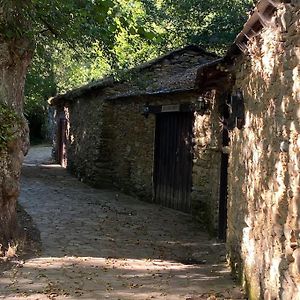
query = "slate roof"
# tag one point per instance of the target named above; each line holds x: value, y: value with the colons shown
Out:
x: 174, y: 72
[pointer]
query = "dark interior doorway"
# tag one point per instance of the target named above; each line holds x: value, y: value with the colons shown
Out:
x: 223, y: 190
x: 173, y: 160
x: 36, y: 122
x: 61, y: 140
x: 224, y: 171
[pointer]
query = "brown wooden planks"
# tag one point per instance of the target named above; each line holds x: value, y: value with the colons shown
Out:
x: 173, y: 160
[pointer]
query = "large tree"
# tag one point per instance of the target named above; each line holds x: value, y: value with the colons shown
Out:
x: 16, y: 51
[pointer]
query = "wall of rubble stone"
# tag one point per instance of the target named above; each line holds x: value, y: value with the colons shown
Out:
x: 132, y: 147
x: 207, y: 167
x: 264, y: 172
x: 110, y: 143
x: 88, y: 140
x: 133, y: 153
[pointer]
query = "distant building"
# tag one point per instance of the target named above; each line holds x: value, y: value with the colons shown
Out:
x: 152, y: 134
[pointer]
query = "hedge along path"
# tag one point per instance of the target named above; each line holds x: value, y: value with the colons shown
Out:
x: 102, y: 244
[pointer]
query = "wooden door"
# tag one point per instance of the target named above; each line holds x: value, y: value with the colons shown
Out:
x: 173, y: 160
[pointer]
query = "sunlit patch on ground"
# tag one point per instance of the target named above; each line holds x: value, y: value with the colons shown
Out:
x: 100, y: 278
x: 99, y: 246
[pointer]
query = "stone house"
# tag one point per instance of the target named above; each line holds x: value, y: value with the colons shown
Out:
x: 152, y: 134
x: 263, y: 235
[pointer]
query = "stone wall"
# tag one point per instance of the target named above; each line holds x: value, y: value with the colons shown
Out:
x: 132, y: 148
x: 89, y: 141
x: 110, y: 143
x: 206, y: 167
x: 133, y: 153
x: 264, y: 171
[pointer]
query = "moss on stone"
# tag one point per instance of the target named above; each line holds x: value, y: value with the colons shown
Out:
x: 9, y: 121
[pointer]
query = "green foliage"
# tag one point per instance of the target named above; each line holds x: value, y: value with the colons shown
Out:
x: 76, y: 42
x: 136, y: 44
x: 210, y: 23
x: 80, y: 41
x: 61, y: 63
x: 8, y: 123
x: 40, y: 85
x: 72, y: 71
x: 42, y: 20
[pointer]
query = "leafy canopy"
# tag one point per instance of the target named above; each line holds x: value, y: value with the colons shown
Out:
x: 210, y: 23
x: 74, y: 40
x: 74, y: 21
x: 78, y: 41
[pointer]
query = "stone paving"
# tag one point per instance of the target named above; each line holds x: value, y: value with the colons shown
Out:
x: 102, y: 244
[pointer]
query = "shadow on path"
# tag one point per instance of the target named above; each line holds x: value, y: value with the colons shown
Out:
x: 102, y: 244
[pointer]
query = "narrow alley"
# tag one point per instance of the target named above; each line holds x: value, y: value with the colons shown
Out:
x: 102, y: 244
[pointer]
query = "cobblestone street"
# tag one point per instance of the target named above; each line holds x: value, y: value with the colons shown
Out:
x: 102, y: 244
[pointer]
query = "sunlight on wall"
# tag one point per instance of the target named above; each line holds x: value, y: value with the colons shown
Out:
x: 274, y: 272
x: 264, y: 170
x: 296, y: 76
x: 248, y: 247
x: 203, y: 136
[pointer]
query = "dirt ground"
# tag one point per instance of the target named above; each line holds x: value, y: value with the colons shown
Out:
x: 102, y: 244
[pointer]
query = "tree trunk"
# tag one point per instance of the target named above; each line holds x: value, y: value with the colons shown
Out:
x: 15, y: 56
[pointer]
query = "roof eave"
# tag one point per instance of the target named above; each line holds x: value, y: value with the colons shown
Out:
x: 259, y: 19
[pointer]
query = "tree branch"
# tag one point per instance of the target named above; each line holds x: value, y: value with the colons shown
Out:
x: 49, y: 27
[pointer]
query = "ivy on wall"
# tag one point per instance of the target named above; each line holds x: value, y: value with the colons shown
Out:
x: 9, y: 122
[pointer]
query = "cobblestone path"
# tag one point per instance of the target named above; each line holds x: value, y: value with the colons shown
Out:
x: 102, y: 244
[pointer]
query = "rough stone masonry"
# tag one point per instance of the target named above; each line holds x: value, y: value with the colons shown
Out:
x: 264, y: 172
x: 110, y: 143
